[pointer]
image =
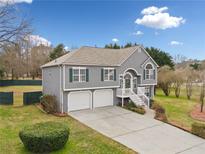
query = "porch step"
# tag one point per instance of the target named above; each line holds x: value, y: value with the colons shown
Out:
x: 137, y: 100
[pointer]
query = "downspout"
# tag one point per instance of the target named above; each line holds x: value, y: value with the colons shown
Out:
x: 61, y: 92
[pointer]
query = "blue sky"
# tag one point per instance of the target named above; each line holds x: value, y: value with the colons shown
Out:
x: 78, y: 23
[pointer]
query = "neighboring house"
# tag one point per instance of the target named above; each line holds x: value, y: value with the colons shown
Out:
x: 95, y: 77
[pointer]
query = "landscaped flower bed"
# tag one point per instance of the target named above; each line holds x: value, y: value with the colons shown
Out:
x: 131, y: 106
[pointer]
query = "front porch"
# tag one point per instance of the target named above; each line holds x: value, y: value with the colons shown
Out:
x: 129, y: 88
x: 126, y: 92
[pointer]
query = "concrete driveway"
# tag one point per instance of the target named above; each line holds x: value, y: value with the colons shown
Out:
x: 141, y: 133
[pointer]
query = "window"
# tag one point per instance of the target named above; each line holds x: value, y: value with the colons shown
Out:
x: 79, y: 74
x: 149, y: 72
x: 108, y: 74
x: 147, y: 91
x: 135, y: 83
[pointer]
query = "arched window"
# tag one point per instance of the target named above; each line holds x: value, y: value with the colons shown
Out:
x: 149, y: 71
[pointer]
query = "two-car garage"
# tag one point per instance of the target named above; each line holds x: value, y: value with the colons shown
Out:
x: 79, y: 100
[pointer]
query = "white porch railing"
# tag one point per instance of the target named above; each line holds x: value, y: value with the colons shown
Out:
x: 124, y: 92
x: 141, y: 93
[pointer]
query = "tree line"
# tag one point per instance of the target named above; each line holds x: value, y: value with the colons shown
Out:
x: 22, y: 59
x: 169, y: 78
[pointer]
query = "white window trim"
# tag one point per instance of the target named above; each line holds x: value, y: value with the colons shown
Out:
x: 151, y: 72
x: 109, y: 74
x: 79, y: 74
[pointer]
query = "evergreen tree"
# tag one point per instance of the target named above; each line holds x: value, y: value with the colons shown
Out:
x: 161, y: 58
x: 57, y: 52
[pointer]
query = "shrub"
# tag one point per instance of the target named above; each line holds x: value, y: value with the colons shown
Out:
x: 44, y: 137
x: 159, y: 112
x: 151, y: 103
x: 161, y: 116
x: 138, y: 109
x: 49, y: 103
x: 198, y: 129
x: 155, y: 106
x: 131, y: 106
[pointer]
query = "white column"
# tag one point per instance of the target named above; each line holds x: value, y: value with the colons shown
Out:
x: 122, y: 102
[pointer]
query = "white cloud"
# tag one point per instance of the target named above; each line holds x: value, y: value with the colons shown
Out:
x: 66, y: 48
x: 156, y: 18
x: 37, y: 40
x: 138, y: 33
x: 115, y: 40
x: 176, y: 43
x: 154, y: 10
x: 15, y: 1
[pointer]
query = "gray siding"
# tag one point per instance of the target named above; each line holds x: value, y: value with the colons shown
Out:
x: 135, y: 61
x: 94, y: 79
x: 51, y: 81
x: 53, y: 85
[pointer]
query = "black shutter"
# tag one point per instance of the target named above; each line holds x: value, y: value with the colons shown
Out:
x: 87, y: 75
x: 114, y: 74
x: 154, y: 74
x: 70, y: 74
x: 102, y: 74
x: 144, y: 74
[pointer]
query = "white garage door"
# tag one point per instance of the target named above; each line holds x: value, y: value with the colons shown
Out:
x: 103, y: 98
x: 79, y: 100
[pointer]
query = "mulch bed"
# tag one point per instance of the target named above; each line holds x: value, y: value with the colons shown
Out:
x: 40, y: 107
x: 197, y: 114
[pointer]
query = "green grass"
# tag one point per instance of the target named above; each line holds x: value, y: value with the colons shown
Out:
x: 83, y: 140
x: 178, y: 109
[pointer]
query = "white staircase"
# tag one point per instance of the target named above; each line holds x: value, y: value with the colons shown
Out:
x: 137, y: 100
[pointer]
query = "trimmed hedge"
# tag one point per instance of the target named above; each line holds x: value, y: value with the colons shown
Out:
x: 44, y: 137
x: 198, y: 129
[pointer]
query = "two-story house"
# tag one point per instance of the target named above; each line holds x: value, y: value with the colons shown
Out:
x: 95, y: 77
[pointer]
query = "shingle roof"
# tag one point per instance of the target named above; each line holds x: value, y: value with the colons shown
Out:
x: 94, y: 56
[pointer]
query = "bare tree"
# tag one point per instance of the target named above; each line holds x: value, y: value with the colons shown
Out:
x: 179, y: 58
x: 12, y: 25
x: 191, y: 76
x: 165, y: 79
x: 12, y: 60
x: 202, y: 92
x: 178, y: 80
x: 39, y: 55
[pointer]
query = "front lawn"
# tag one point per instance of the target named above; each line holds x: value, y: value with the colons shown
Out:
x: 83, y: 140
x: 178, y: 109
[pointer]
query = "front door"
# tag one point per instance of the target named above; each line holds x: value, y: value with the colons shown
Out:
x: 128, y: 81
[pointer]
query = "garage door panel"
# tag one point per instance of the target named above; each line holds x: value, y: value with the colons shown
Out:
x: 102, y: 98
x: 79, y: 100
